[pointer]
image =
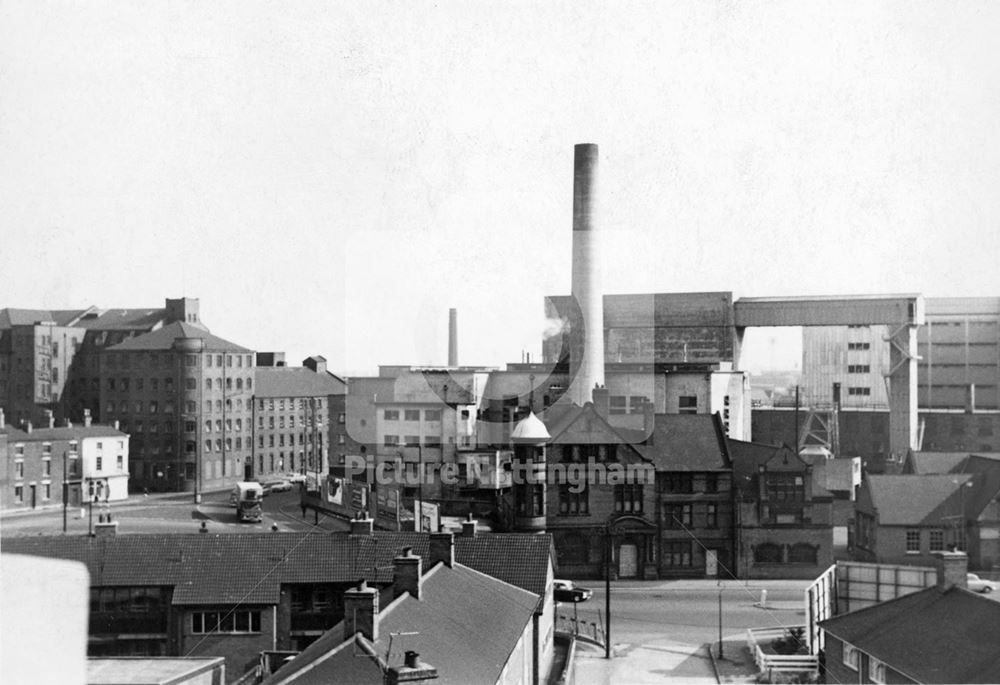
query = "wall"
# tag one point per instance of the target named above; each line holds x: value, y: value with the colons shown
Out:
x: 242, y: 651
x: 819, y: 537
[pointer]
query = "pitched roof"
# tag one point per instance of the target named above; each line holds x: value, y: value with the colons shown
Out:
x: 289, y: 381
x: 61, y: 433
x: 450, y: 633
x: 686, y: 442
x: 250, y: 567
x: 935, y: 462
x: 906, y: 634
x: 916, y: 499
x: 985, y: 469
x: 27, y: 317
x: 163, y: 339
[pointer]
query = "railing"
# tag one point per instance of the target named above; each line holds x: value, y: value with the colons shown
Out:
x: 767, y: 662
x: 592, y: 631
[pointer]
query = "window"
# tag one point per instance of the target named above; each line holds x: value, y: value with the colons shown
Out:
x: 628, y: 498
x: 249, y: 384
x: 19, y: 469
x: 391, y: 440
x: 47, y: 467
x: 937, y: 540
x: 864, y: 392
x: 341, y: 418
x: 413, y: 440
x: 677, y: 554
x: 913, y: 542
x: 859, y: 368
x: 430, y: 415
x: 190, y: 407
x: 203, y: 622
x: 785, y: 487
x: 859, y: 346
x: 767, y: 553
x: 711, y: 482
x: 529, y: 500
x: 712, y: 515
x: 618, y: 404
x: 574, y: 503
x: 687, y: 404
x: 876, y: 670
x: 120, y: 462
x: 189, y: 426
x: 98, y: 463
x: 411, y: 415
x: 391, y: 414
x: 677, y: 515
x: 852, y: 657
x: 679, y: 482
x: 19, y: 494
x: 432, y: 441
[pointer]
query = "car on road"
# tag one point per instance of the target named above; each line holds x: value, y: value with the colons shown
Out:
x: 277, y: 486
x: 977, y: 584
x: 568, y: 591
x: 295, y: 477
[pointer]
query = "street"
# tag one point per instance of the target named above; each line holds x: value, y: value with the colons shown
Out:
x: 173, y: 514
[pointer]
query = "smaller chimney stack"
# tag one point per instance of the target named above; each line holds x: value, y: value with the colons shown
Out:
x: 411, y: 670
x: 407, y: 576
x: 3, y: 419
x: 86, y: 418
x: 27, y: 426
x: 362, y: 525
x: 442, y: 548
x: 951, y: 569
x: 50, y: 418
x: 361, y: 611
x: 453, y: 337
x: 469, y: 527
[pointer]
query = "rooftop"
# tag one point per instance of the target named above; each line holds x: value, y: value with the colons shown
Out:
x: 297, y: 381
x: 163, y: 339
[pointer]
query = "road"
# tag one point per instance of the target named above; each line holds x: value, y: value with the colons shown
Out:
x: 174, y: 514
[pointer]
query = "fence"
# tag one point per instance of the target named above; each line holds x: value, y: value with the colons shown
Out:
x: 591, y: 631
x: 758, y: 642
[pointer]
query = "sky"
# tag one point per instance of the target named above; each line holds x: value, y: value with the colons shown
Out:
x: 331, y: 178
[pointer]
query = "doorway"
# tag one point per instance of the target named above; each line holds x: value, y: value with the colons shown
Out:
x: 628, y: 561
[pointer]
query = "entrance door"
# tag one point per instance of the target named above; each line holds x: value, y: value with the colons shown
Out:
x: 33, y: 495
x: 628, y: 561
x: 711, y: 563
x: 248, y: 471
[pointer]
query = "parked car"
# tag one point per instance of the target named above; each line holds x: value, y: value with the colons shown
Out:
x: 977, y: 584
x: 567, y: 591
x: 295, y: 477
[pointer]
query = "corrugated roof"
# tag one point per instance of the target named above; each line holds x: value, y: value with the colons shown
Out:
x: 163, y: 339
x: 287, y: 381
x: 930, y: 636
x: 916, y: 499
x: 450, y: 633
x: 250, y: 567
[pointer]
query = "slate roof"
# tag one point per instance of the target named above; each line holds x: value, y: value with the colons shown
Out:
x: 451, y: 633
x: 287, y: 381
x: 61, y: 433
x: 206, y: 568
x: 906, y: 633
x: 27, y: 317
x: 163, y: 339
x: 935, y: 462
x: 916, y: 499
x: 686, y: 442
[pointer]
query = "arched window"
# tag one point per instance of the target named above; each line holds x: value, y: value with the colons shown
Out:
x: 767, y: 553
x: 802, y: 553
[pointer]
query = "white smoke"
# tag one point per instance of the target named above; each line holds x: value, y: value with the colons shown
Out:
x: 554, y: 326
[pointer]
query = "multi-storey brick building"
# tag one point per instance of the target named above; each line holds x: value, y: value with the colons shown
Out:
x: 90, y: 461
x: 49, y: 359
x: 296, y: 415
x: 185, y: 397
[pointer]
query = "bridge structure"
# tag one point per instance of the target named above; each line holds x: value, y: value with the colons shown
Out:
x: 901, y: 313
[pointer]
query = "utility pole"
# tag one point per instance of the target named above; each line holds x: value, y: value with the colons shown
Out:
x: 607, y: 591
x: 720, y: 620
x: 65, y: 495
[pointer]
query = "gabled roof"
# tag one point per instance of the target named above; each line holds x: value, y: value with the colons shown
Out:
x: 289, y: 381
x: 163, y: 339
x: 908, y: 635
x: 686, y: 442
x: 917, y: 499
x: 452, y: 633
x: 985, y: 469
x: 250, y: 567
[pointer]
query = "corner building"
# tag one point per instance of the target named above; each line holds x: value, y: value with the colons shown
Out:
x: 186, y: 398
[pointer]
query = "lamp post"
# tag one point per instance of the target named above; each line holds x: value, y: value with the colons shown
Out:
x: 65, y: 495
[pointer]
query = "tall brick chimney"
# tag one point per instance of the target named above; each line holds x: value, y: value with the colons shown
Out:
x: 442, y: 548
x: 407, y: 575
x: 361, y: 611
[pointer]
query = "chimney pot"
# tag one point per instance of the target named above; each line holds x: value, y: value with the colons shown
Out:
x: 442, y: 549
x: 361, y: 611
x: 408, y: 573
x: 27, y: 426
